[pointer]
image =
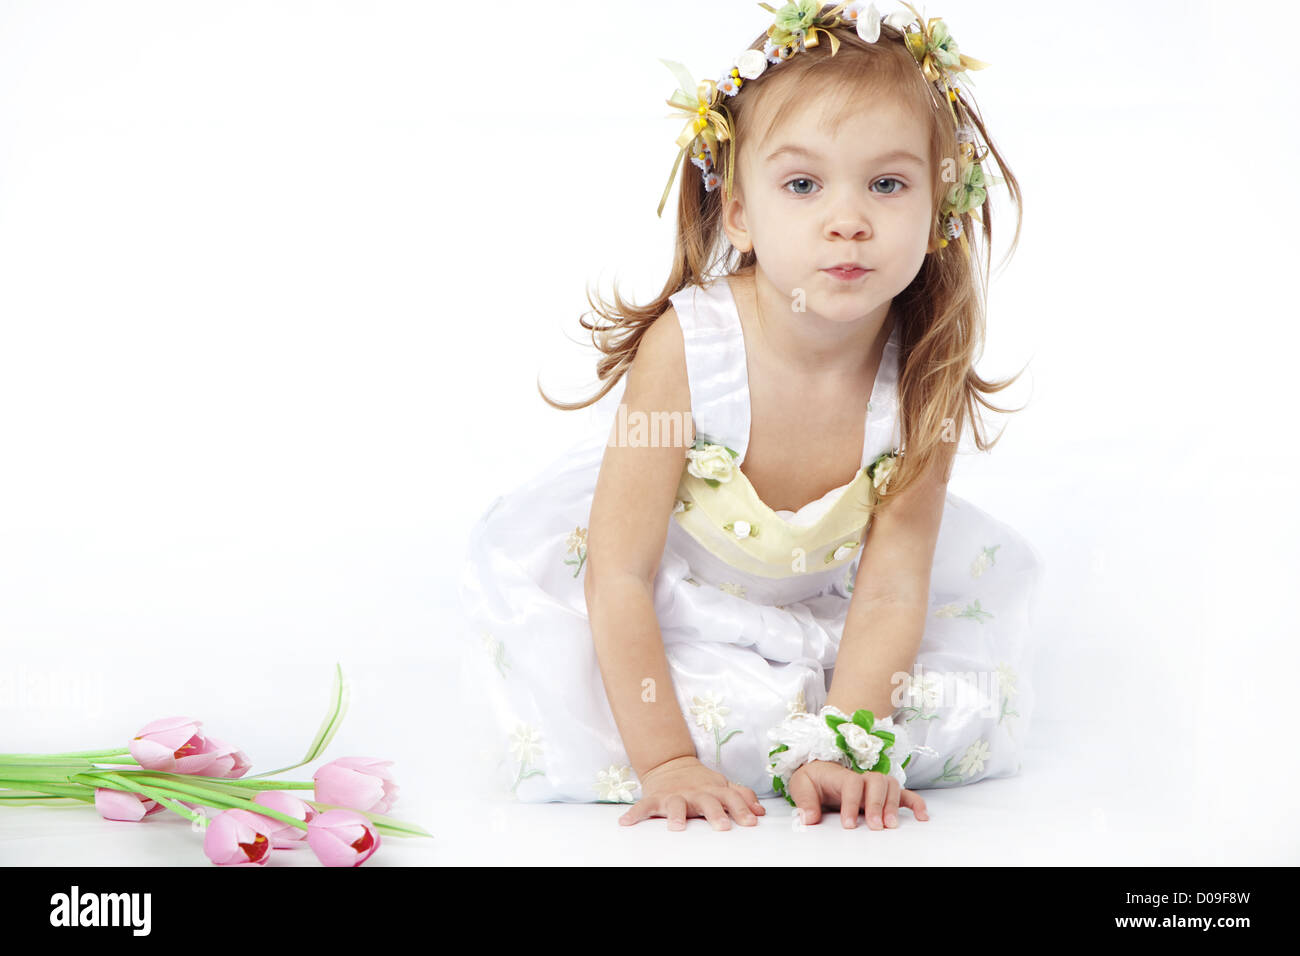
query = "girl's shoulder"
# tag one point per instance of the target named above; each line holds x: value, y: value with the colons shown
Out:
x: 657, y: 379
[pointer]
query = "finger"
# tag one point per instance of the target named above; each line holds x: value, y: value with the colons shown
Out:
x: 643, y: 809
x: 877, y: 789
x: 735, y: 803
x: 807, y: 801
x: 751, y: 798
x: 851, y: 794
x: 891, y: 802
x: 676, y: 807
x: 912, y: 800
x: 712, y: 810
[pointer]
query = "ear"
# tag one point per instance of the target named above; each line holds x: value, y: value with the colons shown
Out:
x: 733, y: 223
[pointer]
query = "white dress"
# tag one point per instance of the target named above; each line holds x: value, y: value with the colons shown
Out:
x: 749, y: 637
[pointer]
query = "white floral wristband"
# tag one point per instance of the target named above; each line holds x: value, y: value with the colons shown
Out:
x: 861, y: 743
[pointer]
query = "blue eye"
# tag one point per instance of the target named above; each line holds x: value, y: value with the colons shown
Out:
x: 899, y: 186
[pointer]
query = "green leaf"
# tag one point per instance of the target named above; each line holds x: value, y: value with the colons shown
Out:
x: 864, y: 719
x: 776, y: 750
x: 907, y: 761
x: 339, y: 695
x: 833, y: 722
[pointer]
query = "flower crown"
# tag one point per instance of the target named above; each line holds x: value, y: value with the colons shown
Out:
x: 795, y: 30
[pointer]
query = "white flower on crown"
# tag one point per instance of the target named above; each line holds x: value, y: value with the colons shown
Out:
x: 728, y: 84
x: 868, y: 19
x: 710, y: 461
x: 751, y: 64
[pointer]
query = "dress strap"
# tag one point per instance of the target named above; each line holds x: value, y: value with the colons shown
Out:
x: 884, y: 422
x: 715, y: 363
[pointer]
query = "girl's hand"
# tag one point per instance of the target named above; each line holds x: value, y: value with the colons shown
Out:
x: 684, y: 787
x: 821, y: 783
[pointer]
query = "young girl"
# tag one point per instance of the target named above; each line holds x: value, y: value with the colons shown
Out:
x: 686, y: 612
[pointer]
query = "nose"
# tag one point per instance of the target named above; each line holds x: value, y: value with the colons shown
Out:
x: 848, y: 220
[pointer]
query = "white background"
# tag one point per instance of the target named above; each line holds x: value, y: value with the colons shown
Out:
x: 277, y: 281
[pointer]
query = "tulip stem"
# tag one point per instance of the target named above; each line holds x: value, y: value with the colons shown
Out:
x: 231, y: 782
x: 205, y: 794
x: 55, y: 787
x: 83, y: 753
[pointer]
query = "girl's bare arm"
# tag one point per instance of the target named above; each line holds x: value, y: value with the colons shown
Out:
x: 630, y: 511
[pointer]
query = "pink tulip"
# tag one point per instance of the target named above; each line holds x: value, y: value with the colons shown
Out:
x: 237, y: 838
x: 174, y: 745
x: 286, y: 836
x: 124, y: 805
x: 362, y: 783
x: 342, y: 838
x: 227, y: 762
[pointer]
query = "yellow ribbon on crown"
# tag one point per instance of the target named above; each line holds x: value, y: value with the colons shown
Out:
x: 711, y: 125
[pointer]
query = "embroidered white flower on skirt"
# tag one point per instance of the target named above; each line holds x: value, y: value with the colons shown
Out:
x: 615, y: 784
x: 526, y: 743
x: 924, y: 690
x: 709, y: 712
x: 972, y: 761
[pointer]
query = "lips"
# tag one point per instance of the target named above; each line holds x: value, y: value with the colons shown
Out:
x: 847, y: 270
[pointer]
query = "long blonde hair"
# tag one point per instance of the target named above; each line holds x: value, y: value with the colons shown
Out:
x: 940, y: 314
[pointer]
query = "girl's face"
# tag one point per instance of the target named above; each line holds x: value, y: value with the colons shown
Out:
x: 812, y: 199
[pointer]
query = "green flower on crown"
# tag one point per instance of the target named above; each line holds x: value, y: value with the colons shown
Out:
x: 967, y: 194
x: 941, y: 45
x: 793, y: 21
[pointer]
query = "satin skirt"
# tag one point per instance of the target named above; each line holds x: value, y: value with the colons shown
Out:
x: 739, y: 662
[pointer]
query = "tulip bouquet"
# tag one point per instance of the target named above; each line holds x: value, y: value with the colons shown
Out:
x: 170, y: 764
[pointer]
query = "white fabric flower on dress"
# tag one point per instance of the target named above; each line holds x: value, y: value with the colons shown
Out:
x: 709, y: 712
x: 972, y: 762
x: 883, y: 470
x: 730, y: 587
x: 710, y: 461
x: 741, y: 528
x: 615, y: 784
x: 843, y: 551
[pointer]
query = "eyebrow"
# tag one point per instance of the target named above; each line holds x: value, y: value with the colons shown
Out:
x: 801, y: 151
